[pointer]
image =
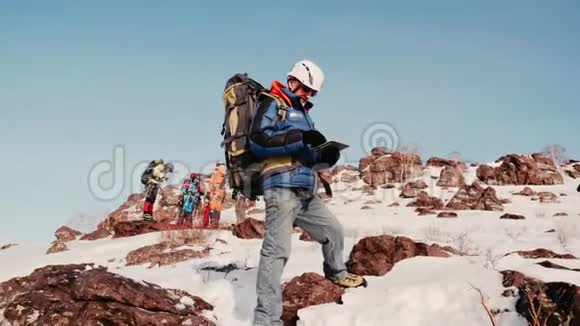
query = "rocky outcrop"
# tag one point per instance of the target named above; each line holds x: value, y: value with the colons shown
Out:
x: 164, y: 253
x: 411, y: 189
x: 509, y: 216
x: 133, y: 228
x: 377, y: 255
x: 96, y: 235
x: 65, y: 234
x: 250, y: 228
x: 427, y: 202
x: 447, y: 214
x: 541, y: 253
x: 535, y: 169
x: 573, y: 170
x: 527, y: 191
x: 451, y: 177
x: 87, y: 295
x: 475, y: 197
x: 382, y: 167
x: 306, y: 290
x: 441, y: 162
x: 540, y: 303
x: 131, y: 209
x: 57, y: 246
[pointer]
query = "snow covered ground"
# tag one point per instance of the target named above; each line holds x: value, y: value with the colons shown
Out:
x: 418, y: 291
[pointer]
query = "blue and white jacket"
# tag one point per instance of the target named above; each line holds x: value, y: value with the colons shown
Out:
x: 288, y: 160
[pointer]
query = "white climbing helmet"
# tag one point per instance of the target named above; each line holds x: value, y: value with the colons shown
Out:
x: 308, y: 73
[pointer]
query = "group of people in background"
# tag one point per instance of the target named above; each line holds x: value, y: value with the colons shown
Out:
x: 193, y: 200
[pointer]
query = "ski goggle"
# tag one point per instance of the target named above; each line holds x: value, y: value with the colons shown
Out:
x: 307, y: 89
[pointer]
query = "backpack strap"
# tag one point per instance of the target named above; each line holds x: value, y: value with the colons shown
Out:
x: 282, y: 106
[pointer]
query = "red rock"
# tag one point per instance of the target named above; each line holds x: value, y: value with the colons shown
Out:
x: 447, y: 214
x: 65, y: 234
x: 162, y: 254
x: 377, y: 255
x: 554, y: 303
x: 425, y: 201
x: 95, y: 235
x: 451, y: 177
x: 541, y: 253
x: 475, y: 197
x: 87, y: 295
x: 441, y: 162
x: 411, y: 189
x: 132, y: 228
x: 306, y: 290
x: 515, y: 169
x: 250, y: 228
x: 134, y: 204
x: 508, y: 216
x: 365, y: 207
x: 425, y: 211
x: 547, y: 197
x: 392, y: 167
x: 57, y: 246
x: 395, y: 204
x: 527, y: 191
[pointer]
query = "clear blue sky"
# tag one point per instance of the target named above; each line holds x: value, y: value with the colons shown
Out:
x: 484, y: 78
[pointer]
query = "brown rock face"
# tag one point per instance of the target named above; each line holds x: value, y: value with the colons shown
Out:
x: 451, y: 177
x: 441, y: 162
x: 134, y: 204
x: 550, y: 304
x: 541, y: 253
x: 377, y: 255
x: 527, y: 191
x: 65, y: 234
x: 411, y: 189
x: 162, y: 254
x: 475, y: 197
x: 377, y: 170
x: 85, y: 295
x: 425, y: 201
x: 573, y: 170
x: 547, y: 197
x: 306, y: 290
x: 57, y: 246
x: 250, y: 228
x: 132, y: 228
x: 508, y: 216
x: 447, y: 215
x: 534, y: 169
x: 96, y: 235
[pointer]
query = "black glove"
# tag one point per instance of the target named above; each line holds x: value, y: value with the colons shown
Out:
x: 313, y: 138
x: 328, y: 158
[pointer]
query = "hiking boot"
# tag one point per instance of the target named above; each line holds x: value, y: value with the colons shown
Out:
x: 352, y: 281
x: 148, y: 217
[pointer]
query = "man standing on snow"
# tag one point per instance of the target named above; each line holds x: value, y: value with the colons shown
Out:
x: 156, y: 173
x: 289, y: 183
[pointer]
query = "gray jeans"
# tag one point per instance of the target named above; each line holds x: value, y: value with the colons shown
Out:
x: 285, y: 209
